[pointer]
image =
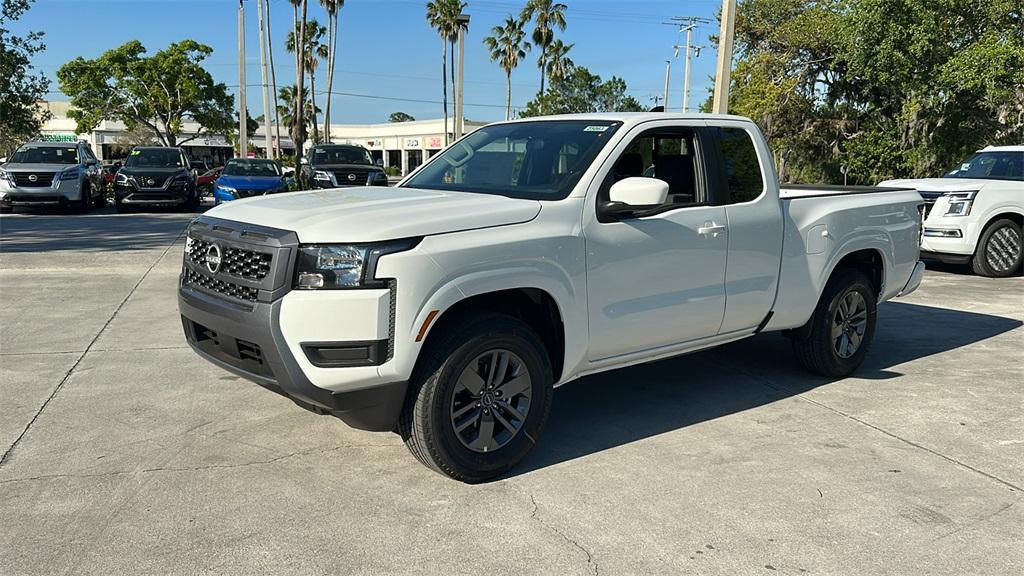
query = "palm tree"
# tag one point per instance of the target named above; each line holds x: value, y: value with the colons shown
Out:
x: 453, y: 9
x: 507, y: 48
x: 442, y: 15
x: 332, y: 7
x: 299, y: 9
x: 549, y: 15
x: 315, y: 50
x: 559, y: 62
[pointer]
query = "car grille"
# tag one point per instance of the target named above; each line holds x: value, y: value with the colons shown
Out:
x: 42, y: 180
x: 151, y: 181
x: 342, y: 177
x: 247, y: 264
x: 241, y: 193
x: 929, y: 200
x: 231, y: 289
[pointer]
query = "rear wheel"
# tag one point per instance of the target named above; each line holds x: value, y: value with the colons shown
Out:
x: 999, y: 251
x: 479, y: 399
x: 842, y: 327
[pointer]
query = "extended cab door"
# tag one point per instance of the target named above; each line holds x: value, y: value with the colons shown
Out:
x: 750, y: 193
x: 656, y: 279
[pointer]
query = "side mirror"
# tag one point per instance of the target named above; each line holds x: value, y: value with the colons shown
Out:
x: 379, y: 162
x: 629, y: 196
x: 305, y: 161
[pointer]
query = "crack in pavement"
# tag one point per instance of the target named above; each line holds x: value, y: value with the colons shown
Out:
x: 197, y: 468
x: 67, y: 375
x: 590, y: 557
x: 792, y: 393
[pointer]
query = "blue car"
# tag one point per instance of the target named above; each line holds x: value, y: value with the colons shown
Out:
x: 247, y: 177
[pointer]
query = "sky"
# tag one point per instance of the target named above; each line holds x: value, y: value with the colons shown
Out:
x: 388, y: 56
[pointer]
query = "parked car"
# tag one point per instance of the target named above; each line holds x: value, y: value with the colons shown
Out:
x: 248, y: 177
x: 155, y: 176
x: 205, y: 180
x: 975, y: 212
x: 109, y: 173
x: 527, y: 255
x: 341, y: 165
x: 55, y: 174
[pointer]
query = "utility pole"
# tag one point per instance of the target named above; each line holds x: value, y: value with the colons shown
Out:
x: 687, y: 24
x: 720, y: 102
x: 268, y: 139
x: 273, y: 81
x: 668, y: 74
x: 463, y: 21
x: 243, y: 136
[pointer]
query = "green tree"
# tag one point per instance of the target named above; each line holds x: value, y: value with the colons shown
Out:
x: 559, y: 63
x: 299, y: 21
x: 157, y: 91
x: 400, y: 117
x: 507, y: 46
x: 580, y: 91
x: 884, y: 88
x: 333, y: 7
x: 285, y: 101
x: 20, y: 87
x: 549, y: 15
x: 314, y: 50
x: 442, y: 16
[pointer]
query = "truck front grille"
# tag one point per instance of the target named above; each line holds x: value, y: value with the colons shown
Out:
x: 929, y: 200
x: 351, y: 177
x: 247, y: 264
x: 192, y: 278
x: 33, y: 179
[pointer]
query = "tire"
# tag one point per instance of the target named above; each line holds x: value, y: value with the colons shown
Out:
x: 840, y: 332
x: 6, y: 209
x: 101, y: 200
x: 438, y: 401
x: 1000, y: 250
x: 85, y: 202
x: 120, y: 206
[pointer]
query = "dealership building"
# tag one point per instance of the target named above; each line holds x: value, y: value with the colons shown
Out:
x: 402, y: 144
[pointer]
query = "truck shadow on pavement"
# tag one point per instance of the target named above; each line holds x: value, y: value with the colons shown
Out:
x: 615, y: 408
x: 99, y: 231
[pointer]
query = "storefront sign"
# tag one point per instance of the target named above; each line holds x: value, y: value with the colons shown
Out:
x: 412, y: 143
x: 373, y: 143
x: 435, y: 142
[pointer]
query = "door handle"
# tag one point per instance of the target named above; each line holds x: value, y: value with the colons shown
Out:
x: 711, y: 228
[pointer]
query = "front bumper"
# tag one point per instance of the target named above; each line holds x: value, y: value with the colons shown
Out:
x: 170, y: 196
x: 61, y: 193
x: 325, y: 350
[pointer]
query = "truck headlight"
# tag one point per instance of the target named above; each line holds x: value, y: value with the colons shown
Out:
x: 322, y: 176
x: 960, y: 203
x: 344, y: 266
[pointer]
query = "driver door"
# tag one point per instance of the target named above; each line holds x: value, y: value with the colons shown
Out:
x: 657, y: 280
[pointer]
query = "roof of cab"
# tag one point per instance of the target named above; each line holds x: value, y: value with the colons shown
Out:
x: 1018, y: 148
x: 633, y: 118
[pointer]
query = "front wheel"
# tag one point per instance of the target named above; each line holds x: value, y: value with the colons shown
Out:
x: 999, y: 252
x: 842, y: 327
x: 479, y: 398
x: 85, y: 202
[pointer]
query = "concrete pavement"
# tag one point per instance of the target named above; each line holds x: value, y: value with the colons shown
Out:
x: 124, y: 453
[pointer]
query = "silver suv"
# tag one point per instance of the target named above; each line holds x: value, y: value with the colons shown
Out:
x: 52, y: 174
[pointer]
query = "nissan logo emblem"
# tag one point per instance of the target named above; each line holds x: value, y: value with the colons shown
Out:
x: 32, y: 177
x: 351, y: 177
x: 213, y: 258
x: 150, y: 182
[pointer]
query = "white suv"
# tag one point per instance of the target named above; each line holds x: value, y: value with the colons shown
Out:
x: 976, y: 211
x: 52, y: 174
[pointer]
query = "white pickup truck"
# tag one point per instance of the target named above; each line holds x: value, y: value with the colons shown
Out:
x: 529, y: 254
x: 975, y: 213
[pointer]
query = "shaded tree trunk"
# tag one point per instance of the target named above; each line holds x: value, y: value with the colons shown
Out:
x: 444, y: 85
x: 300, y: 77
x: 333, y: 41
x: 508, y: 94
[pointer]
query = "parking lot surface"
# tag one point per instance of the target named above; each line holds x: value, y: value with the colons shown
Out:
x: 124, y: 453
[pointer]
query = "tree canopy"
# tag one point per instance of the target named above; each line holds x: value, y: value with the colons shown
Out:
x: 20, y: 87
x: 886, y: 88
x: 578, y: 90
x: 400, y: 117
x: 158, y: 91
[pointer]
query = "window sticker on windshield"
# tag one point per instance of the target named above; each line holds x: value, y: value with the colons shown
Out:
x: 136, y: 152
x: 965, y: 166
x: 595, y: 129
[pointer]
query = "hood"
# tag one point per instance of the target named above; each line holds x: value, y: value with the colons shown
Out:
x: 377, y: 213
x: 148, y: 171
x: 251, y: 182
x: 352, y: 167
x: 938, y: 184
x: 37, y: 167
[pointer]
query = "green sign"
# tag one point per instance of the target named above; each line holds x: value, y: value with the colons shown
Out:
x: 59, y: 138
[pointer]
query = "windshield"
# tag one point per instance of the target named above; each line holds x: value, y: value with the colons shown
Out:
x: 155, y: 158
x: 251, y: 168
x: 341, y: 155
x: 540, y: 160
x: 45, y: 155
x: 991, y: 166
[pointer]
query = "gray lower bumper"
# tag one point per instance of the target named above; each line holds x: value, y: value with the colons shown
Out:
x: 246, y: 342
x: 915, y: 279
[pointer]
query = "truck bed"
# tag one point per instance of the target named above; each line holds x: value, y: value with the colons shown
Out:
x: 820, y: 190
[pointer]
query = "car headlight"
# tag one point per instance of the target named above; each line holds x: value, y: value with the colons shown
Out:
x: 343, y: 266
x: 227, y: 190
x: 123, y: 178
x: 71, y: 174
x: 322, y: 176
x: 379, y: 177
x: 960, y: 203
x: 5, y: 176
